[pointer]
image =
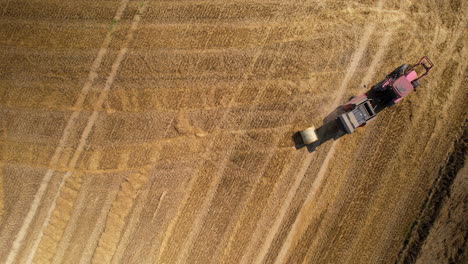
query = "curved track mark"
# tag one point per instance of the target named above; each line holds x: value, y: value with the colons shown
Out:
x: 297, y: 227
x: 89, y: 126
x: 66, y: 133
x: 133, y: 223
x: 72, y: 222
x: 306, y: 163
x: 171, y: 227
x: 93, y: 239
x: 213, y: 188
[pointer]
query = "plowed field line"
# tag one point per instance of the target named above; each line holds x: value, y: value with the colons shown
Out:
x: 227, y: 251
x: 221, y: 169
x: 449, y: 53
x: 238, y: 106
x: 86, y: 132
x: 356, y: 58
x: 68, y: 128
x: 218, y: 177
x: 203, y: 51
x: 211, y: 193
x: 414, y: 121
x: 406, y: 251
x: 250, y: 195
x: 303, y: 214
x: 83, y: 171
x: 208, y: 149
x: 343, y: 209
x: 93, y: 239
x: 205, y: 48
x: 72, y: 222
x: 119, y: 207
x: 216, y: 2
x: 133, y: 223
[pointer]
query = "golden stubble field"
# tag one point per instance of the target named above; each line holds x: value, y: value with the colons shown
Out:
x: 161, y: 131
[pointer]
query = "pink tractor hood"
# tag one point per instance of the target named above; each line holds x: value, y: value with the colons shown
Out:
x: 403, y: 86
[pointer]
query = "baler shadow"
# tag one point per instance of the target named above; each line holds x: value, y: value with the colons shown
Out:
x: 330, y: 129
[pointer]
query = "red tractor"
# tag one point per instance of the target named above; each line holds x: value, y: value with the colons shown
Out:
x: 361, y: 109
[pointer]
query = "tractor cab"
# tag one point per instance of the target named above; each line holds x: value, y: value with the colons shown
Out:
x: 402, y: 86
x: 407, y: 82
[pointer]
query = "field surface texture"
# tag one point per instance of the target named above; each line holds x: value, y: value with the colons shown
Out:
x: 162, y: 132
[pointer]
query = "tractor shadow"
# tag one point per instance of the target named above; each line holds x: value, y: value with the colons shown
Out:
x: 330, y: 129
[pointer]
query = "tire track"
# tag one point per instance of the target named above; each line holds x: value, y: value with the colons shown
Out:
x: 259, y: 221
x: 72, y: 222
x: 220, y: 173
x: 218, y: 176
x: 356, y: 58
x: 298, y: 225
x: 415, y: 238
x: 178, y: 111
x: 228, y: 250
x: 343, y: 207
x: 321, y: 232
x: 221, y: 170
x: 208, y: 149
x: 89, y: 126
x: 126, y: 199
x: 87, y: 253
x: 256, y: 185
x: 52, y: 233
x: 73, y: 118
x: 130, y: 227
x: 448, y: 54
x: 89, y: 198
x: 302, y: 216
x: 205, y: 49
x: 346, y: 208
x: 115, y: 223
x: 132, y: 224
x: 258, y: 230
x: 264, y: 222
x: 211, y: 191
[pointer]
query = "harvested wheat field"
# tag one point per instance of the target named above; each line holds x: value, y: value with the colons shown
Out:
x: 162, y: 132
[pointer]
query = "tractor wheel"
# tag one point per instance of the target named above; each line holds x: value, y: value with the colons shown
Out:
x: 308, y: 135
